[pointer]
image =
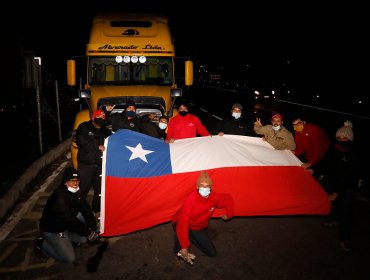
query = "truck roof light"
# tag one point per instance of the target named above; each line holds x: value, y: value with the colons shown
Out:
x: 126, y: 59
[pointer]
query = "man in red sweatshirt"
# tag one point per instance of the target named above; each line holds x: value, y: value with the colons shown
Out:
x: 311, y: 143
x: 184, y: 125
x: 191, y: 220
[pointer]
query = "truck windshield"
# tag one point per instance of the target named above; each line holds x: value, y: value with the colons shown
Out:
x: 153, y: 71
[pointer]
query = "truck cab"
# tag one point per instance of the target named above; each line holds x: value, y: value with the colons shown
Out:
x: 129, y: 57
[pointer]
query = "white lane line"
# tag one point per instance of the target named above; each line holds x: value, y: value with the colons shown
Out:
x: 14, y: 218
x: 217, y: 117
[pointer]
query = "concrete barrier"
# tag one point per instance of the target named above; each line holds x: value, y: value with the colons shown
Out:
x: 9, y: 200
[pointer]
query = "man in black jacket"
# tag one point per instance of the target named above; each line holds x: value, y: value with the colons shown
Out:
x: 66, y: 218
x: 90, y: 138
x: 235, y: 124
x: 127, y: 119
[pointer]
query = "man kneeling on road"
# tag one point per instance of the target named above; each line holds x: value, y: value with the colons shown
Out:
x: 66, y: 220
x: 191, y: 220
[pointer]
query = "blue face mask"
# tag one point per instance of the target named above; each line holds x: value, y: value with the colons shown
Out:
x: 204, y: 191
x: 130, y: 113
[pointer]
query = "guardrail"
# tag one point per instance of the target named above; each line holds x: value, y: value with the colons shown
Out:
x: 11, y: 197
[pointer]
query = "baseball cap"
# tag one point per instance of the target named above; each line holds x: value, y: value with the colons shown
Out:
x: 98, y: 114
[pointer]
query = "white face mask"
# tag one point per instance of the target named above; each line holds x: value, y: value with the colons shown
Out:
x: 276, y: 128
x: 236, y: 115
x: 162, y: 125
x: 73, y: 190
x: 204, y: 191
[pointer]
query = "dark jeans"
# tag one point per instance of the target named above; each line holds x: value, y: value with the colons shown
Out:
x: 200, y: 239
x: 343, y: 212
x: 90, y: 176
x: 59, y: 245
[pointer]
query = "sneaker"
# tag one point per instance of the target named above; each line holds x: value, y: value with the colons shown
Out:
x: 38, y: 245
x: 345, y: 246
x: 330, y: 224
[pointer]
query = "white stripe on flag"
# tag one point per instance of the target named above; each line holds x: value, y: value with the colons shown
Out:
x: 203, y: 153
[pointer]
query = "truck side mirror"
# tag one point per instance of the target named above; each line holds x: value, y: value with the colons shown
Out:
x: 84, y: 93
x: 176, y: 92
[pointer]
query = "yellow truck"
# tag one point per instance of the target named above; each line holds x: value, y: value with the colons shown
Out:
x: 129, y: 57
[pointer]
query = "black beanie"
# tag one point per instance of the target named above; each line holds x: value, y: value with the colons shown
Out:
x: 69, y: 174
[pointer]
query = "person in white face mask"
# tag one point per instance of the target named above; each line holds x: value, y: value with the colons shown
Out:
x: 275, y: 133
x: 235, y: 124
x: 66, y: 220
x: 191, y: 221
x: 163, y: 123
x: 153, y: 128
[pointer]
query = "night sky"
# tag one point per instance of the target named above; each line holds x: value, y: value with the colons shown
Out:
x: 323, y: 45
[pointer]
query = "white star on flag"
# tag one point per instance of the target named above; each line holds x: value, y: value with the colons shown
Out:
x: 138, y: 152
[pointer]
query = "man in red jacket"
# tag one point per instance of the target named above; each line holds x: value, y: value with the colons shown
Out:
x: 184, y: 125
x: 311, y: 142
x: 191, y: 220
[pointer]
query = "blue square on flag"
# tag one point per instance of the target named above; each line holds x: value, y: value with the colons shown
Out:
x: 134, y: 155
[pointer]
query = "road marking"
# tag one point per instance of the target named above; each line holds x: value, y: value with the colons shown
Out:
x: 8, y: 252
x: 217, y: 117
x: 323, y: 109
x: 14, y: 218
x: 24, y: 236
x: 47, y: 264
x: 26, y: 261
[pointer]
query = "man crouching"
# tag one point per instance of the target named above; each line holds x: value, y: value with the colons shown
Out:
x: 66, y: 220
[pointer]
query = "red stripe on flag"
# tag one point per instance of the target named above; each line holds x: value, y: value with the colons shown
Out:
x: 133, y: 204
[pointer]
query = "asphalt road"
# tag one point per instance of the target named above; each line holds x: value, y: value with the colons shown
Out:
x: 256, y: 248
x: 248, y: 248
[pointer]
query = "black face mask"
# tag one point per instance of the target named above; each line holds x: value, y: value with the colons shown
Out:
x: 344, y: 144
x: 183, y: 113
x: 99, y: 122
x: 130, y: 114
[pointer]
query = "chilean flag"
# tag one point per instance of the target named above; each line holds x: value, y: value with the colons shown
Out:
x: 145, y: 179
